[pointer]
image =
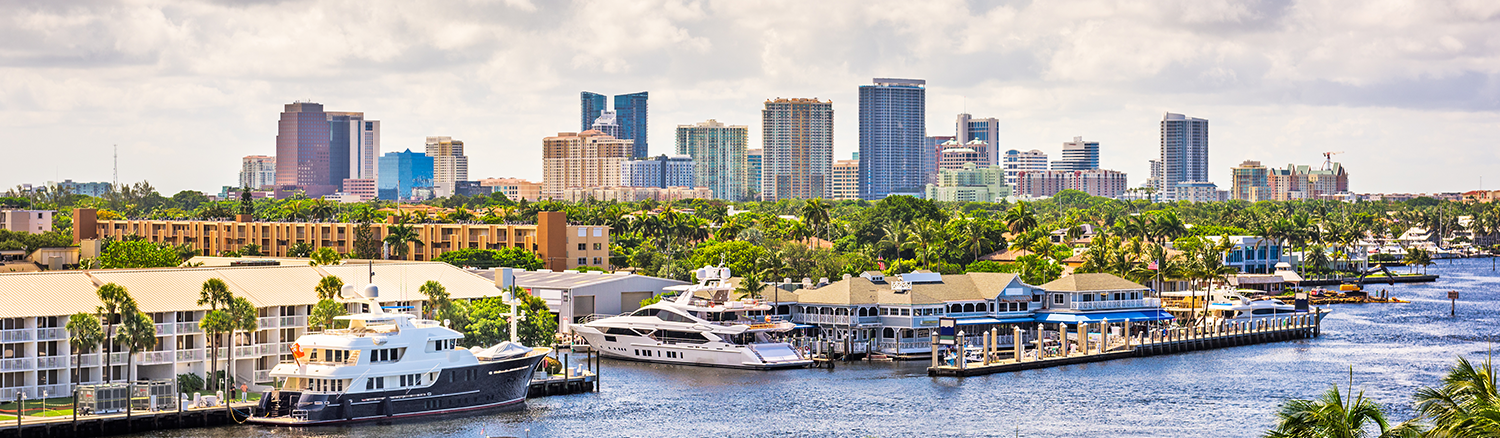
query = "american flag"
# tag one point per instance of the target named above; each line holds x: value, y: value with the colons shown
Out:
x: 1152, y: 266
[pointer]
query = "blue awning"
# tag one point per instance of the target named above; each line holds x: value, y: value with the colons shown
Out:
x: 977, y: 321
x: 1095, y: 317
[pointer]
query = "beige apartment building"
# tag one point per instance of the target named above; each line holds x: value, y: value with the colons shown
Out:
x: 584, y: 159
x: 561, y: 246
x: 449, y: 165
x: 797, y: 159
x: 845, y: 179
x: 514, y: 189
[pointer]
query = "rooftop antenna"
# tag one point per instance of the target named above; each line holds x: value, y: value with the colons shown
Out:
x: 117, y: 168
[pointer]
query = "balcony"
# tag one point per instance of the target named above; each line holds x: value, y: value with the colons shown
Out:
x: 185, y: 328
x: 293, y: 321
x: 58, y: 390
x: 51, y: 334
x: 267, y: 322
x: 808, y: 318
x: 1114, y: 304
x: 262, y: 376
x: 154, y: 357
x: 165, y: 329
x: 88, y: 360
x: 117, y: 358
x: 245, y: 351
x: 17, y: 335
x: 18, y: 364
x: 51, y: 362
x: 266, y: 349
x: 192, y: 355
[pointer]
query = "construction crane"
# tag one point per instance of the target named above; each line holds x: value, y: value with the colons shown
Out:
x: 1328, y: 159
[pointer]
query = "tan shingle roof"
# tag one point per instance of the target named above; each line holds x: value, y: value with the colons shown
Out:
x: 1091, y: 282
x: 47, y: 294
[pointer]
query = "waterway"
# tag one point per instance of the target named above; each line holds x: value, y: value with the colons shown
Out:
x: 1392, y: 349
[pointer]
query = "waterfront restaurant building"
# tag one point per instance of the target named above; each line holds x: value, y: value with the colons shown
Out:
x: 896, y: 315
x: 37, y: 356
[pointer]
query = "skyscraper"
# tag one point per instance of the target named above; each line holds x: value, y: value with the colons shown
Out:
x: 368, y: 163
x: 719, y: 161
x: 257, y: 171
x: 845, y: 179
x: 1248, y: 181
x: 400, y: 172
x: 968, y: 129
x: 606, y: 123
x: 754, y: 162
x: 585, y: 159
x: 1078, y: 155
x: 798, y: 149
x: 892, y: 132
x: 629, y: 116
x: 630, y: 110
x: 449, y: 165
x: 590, y: 106
x: 1017, y: 161
x: 1184, y: 153
x: 302, y: 150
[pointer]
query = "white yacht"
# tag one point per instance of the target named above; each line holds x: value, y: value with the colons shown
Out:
x: 1235, y: 307
x: 701, y: 326
x: 391, y: 365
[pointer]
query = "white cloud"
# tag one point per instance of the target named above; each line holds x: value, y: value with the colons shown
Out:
x: 1407, y: 87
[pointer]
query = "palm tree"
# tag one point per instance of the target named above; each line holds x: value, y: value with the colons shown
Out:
x: 242, y: 318
x: 399, y: 236
x: 1335, y: 415
x: 1468, y: 403
x: 750, y: 285
x: 895, y: 235
x: 84, y: 334
x: 328, y: 287
x: 138, y: 333
x: 815, y: 215
x: 112, y: 298
x: 926, y: 235
x: 214, y: 294
x: 437, y: 298
x: 1020, y: 219
x: 976, y: 231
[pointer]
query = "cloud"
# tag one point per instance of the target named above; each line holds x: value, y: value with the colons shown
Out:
x: 187, y: 88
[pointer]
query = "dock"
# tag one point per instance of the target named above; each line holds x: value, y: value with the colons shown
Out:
x: 1144, y: 341
x: 121, y: 423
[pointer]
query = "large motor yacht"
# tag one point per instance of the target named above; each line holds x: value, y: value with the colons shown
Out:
x: 1235, y: 307
x: 701, y: 326
x: 391, y: 365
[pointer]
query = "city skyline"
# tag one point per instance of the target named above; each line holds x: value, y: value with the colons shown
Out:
x: 1281, y: 83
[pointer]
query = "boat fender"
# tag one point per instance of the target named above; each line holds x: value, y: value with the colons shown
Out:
x: 348, y: 408
x: 386, y: 404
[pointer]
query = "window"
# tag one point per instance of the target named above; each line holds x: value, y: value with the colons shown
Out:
x: 596, y: 247
x: 1023, y: 306
x: 583, y: 260
x: 598, y: 232
x: 582, y: 246
x: 1057, y: 298
x: 583, y: 232
x: 597, y: 261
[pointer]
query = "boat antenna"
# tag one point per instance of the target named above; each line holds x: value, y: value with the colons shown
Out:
x: 372, y: 270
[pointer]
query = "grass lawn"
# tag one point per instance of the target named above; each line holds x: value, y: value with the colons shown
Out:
x: 34, y: 407
x: 7, y: 418
x: 52, y: 413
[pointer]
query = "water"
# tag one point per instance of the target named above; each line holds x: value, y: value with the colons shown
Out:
x: 1394, y: 349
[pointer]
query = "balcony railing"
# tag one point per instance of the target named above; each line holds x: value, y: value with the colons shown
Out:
x: 245, y: 351
x: 58, y: 390
x: 262, y: 376
x: 284, y: 348
x: 808, y: 318
x: 17, y: 364
x: 51, y: 362
x: 154, y: 357
x: 192, y: 355
x: 51, y: 334
x: 166, y: 329
x: 1114, y: 304
x: 184, y: 328
x: 293, y: 321
x: 266, y: 349
x: 88, y: 360
x: 268, y: 322
x: 17, y: 335
x: 117, y: 358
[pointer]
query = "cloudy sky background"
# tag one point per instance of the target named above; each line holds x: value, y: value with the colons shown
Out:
x: 1410, y: 90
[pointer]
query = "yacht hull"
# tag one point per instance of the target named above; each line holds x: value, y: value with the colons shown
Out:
x: 499, y: 383
x: 642, y: 349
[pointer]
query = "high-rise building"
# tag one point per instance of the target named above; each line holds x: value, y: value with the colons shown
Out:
x: 892, y: 132
x: 1184, y: 154
x: 659, y: 171
x: 1248, y: 181
x: 607, y: 123
x: 955, y: 154
x: 754, y: 162
x: 591, y: 106
x: 97, y: 189
x: 1078, y: 155
x: 1017, y: 161
x: 932, y: 157
x: 402, y: 173
x: 1097, y: 182
x: 369, y: 167
x: 987, y: 130
x: 449, y: 164
x: 1301, y: 182
x: 970, y: 183
x: 846, y: 179
x: 584, y: 159
x: 353, y: 142
x: 302, y: 151
x: 629, y: 115
x: 359, y: 189
x: 257, y: 171
x: 630, y: 110
x: 719, y: 161
x: 798, y: 140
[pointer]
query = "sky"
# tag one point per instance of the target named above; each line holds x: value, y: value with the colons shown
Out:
x: 1407, y: 90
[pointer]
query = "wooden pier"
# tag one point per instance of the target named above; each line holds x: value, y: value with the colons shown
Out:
x: 1146, y: 340
x: 119, y: 424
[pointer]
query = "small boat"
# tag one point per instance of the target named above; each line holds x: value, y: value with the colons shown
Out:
x: 1234, y: 307
x: 392, y: 365
x: 701, y: 326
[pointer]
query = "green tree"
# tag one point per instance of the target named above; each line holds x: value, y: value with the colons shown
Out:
x: 215, y: 324
x: 299, y: 249
x: 137, y: 332
x: 244, y: 319
x: 750, y: 285
x: 138, y: 254
x: 250, y: 250
x: 215, y: 294
x: 400, y: 237
x: 84, y: 334
x: 113, y: 298
x: 1336, y: 415
x: 325, y: 256
x: 1466, y: 405
x: 509, y: 257
x: 739, y: 256
x: 323, y: 315
x: 437, y: 299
